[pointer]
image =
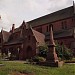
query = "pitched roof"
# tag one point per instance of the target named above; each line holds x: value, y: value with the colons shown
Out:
x: 16, y: 30
x: 58, y: 15
x: 5, y: 35
x: 40, y: 38
x: 12, y: 42
x: 62, y: 33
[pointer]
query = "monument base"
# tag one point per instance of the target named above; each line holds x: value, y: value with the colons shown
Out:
x: 52, y: 64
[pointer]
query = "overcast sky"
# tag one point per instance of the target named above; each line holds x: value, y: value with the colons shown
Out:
x: 15, y: 11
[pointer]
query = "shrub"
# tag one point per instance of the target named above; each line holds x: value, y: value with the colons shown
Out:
x: 38, y: 59
x: 67, y: 53
x: 43, y: 50
x: 63, y: 52
x: 12, y: 57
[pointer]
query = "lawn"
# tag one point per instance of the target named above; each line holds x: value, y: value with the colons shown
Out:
x: 11, y: 66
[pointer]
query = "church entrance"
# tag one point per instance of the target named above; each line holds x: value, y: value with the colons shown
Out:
x: 29, y: 52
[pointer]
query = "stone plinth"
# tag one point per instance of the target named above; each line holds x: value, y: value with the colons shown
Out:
x: 51, y: 55
x: 52, y: 64
x: 52, y: 59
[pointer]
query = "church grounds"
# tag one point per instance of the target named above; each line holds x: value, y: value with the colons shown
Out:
x: 11, y: 67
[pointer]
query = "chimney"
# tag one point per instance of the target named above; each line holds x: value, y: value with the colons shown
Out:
x: 0, y: 16
x: 13, y: 27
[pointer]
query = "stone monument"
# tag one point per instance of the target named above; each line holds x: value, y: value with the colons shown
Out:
x: 52, y: 58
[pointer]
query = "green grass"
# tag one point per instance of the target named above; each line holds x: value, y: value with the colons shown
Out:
x: 11, y: 66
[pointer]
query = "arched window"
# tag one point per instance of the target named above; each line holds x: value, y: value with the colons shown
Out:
x: 64, y: 25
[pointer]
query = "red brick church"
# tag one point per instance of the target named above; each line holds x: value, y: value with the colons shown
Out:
x: 63, y: 22
x: 24, y: 40
x: 21, y: 42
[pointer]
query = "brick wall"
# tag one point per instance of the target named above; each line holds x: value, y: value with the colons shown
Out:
x: 56, y: 25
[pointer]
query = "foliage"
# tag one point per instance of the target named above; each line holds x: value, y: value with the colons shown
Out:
x: 43, y: 50
x: 58, y: 50
x: 63, y: 52
x: 13, y: 57
x: 67, y: 53
x: 38, y: 59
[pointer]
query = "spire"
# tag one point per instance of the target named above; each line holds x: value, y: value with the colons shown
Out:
x: 51, y: 36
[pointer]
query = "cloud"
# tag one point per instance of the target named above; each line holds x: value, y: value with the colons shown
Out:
x: 15, y: 11
x: 57, y: 5
x: 4, y: 21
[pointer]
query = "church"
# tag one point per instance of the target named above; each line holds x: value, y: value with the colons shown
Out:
x: 24, y: 40
x: 63, y: 25
x: 21, y: 42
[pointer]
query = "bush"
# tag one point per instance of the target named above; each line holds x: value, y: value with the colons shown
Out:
x: 43, y: 50
x: 67, y: 53
x: 38, y: 59
x: 63, y: 52
x: 12, y: 57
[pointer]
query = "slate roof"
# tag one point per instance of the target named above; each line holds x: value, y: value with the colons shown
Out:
x: 62, y: 33
x: 13, y: 42
x: 58, y: 15
x: 17, y: 30
x: 40, y: 38
x: 16, y: 40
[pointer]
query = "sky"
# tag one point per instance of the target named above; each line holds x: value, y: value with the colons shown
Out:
x: 15, y: 11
